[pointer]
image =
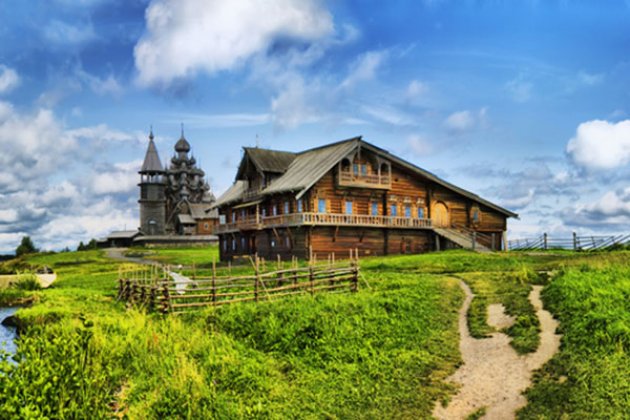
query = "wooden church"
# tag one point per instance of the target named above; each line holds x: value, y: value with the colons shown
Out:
x: 349, y: 195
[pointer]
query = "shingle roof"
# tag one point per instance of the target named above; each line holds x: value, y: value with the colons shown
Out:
x: 185, y: 219
x: 309, y: 166
x: 267, y: 160
x: 123, y: 234
x: 200, y: 211
x: 152, y: 159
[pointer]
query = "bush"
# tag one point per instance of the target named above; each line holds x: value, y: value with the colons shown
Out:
x: 27, y: 281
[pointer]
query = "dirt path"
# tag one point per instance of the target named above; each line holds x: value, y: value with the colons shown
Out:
x: 493, y: 374
x: 119, y: 255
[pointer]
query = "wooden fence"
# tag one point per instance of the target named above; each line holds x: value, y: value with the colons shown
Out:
x: 576, y: 243
x: 174, y: 293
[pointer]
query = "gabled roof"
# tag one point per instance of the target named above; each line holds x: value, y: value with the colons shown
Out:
x: 311, y: 165
x: 201, y: 211
x: 123, y: 234
x: 266, y: 160
x: 152, y: 159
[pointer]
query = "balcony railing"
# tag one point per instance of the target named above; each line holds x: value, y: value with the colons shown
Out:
x: 324, y: 219
x: 351, y: 179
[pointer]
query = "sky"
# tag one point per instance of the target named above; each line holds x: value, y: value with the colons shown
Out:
x: 524, y: 102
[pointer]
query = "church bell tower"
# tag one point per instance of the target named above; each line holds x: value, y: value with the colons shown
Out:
x: 152, y: 186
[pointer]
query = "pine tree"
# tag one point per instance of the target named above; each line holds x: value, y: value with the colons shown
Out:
x: 25, y: 247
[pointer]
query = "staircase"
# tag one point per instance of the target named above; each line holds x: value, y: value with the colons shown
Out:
x: 465, y: 240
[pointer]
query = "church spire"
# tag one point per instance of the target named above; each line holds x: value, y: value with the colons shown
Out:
x: 151, y: 159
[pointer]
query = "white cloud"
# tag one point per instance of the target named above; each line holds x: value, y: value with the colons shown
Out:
x: 389, y: 115
x: 590, y: 79
x: 187, y: 36
x: 364, y: 68
x: 460, y: 121
x: 416, y: 89
x: 611, y: 209
x: 9, y: 79
x: 600, y: 145
x: 419, y: 145
x: 292, y: 106
x: 520, y: 89
x: 121, y: 178
x: 62, y: 33
x: 38, y: 196
x: 222, y: 120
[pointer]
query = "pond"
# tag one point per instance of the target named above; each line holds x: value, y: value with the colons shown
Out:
x: 7, y: 334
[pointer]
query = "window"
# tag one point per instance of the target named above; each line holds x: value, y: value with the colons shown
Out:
x: 420, y: 212
x: 243, y: 214
x: 264, y: 212
x: 393, y: 210
x: 206, y: 226
x: 374, y: 208
x: 233, y: 217
x: 225, y: 245
x: 286, y: 207
x: 355, y: 169
x: 407, y: 210
x: 222, y: 219
x: 233, y: 244
x: 299, y: 206
x: 287, y: 242
x: 475, y: 215
x: 274, y: 210
x: 348, y: 207
x: 321, y: 205
x: 242, y: 243
x: 273, y: 243
x: 364, y: 170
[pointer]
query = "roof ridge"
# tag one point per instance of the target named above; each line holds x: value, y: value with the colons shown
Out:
x: 355, y: 138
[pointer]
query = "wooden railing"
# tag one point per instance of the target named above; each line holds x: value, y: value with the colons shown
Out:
x: 351, y: 179
x: 171, y: 296
x: 324, y: 219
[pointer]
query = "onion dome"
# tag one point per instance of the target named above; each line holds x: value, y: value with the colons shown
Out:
x: 182, y: 145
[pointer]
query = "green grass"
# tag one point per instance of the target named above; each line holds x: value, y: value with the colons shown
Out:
x: 201, y: 257
x: 382, y: 352
x: 590, y: 377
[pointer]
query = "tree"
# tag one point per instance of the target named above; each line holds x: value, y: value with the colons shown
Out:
x: 81, y: 246
x: 25, y: 247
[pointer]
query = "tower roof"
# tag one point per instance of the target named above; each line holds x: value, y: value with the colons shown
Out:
x: 182, y: 145
x: 151, y: 159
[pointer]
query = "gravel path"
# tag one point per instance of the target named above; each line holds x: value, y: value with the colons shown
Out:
x: 493, y: 375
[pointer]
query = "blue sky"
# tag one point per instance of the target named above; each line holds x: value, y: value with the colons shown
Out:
x: 526, y: 103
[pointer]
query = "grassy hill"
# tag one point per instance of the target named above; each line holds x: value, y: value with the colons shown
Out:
x: 382, y: 352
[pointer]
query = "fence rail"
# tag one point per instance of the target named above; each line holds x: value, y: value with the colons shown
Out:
x: 576, y: 243
x: 181, y: 295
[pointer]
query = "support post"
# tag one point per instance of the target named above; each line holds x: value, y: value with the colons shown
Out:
x: 545, y: 241
x: 214, y: 285
x: 575, y: 244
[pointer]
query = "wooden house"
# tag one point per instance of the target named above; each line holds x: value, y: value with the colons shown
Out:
x: 348, y: 195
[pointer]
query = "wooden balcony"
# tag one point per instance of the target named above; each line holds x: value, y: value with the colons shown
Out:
x: 324, y: 219
x: 376, y: 181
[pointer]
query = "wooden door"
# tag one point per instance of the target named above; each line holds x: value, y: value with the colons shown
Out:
x: 440, y: 215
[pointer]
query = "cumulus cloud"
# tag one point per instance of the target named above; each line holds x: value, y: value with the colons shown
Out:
x: 462, y: 121
x: 117, y: 179
x: 50, y: 186
x: 9, y: 79
x: 600, y: 145
x: 610, y: 210
x: 185, y: 37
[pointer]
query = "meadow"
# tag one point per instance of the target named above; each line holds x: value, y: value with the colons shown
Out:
x: 382, y: 352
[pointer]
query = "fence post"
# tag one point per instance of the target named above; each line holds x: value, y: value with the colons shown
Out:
x: 545, y: 241
x: 214, y: 276
x: 152, y: 297
x: 166, y: 303
x: 355, y: 275
x: 256, y: 280
x: 311, y: 279
x: 575, y: 241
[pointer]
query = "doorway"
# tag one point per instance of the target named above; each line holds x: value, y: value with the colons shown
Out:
x: 440, y: 215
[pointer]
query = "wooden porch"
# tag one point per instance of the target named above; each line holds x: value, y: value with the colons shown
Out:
x: 323, y: 219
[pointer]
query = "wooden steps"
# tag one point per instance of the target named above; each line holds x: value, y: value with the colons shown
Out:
x: 461, y: 239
